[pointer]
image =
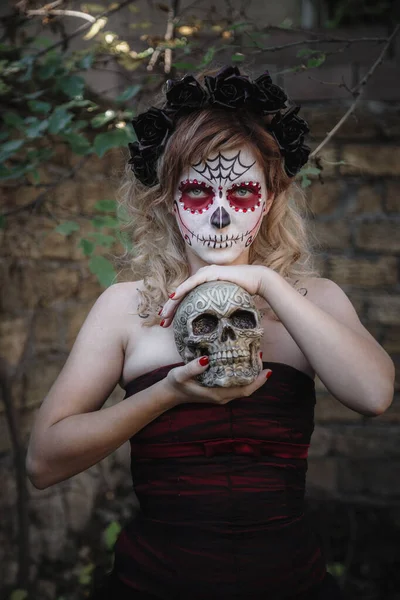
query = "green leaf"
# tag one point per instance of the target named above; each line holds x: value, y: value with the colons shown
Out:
x: 310, y: 171
x: 100, y: 221
x: 12, y: 119
x: 238, y: 25
x: 71, y: 85
x: 35, y: 176
x: 316, y: 61
x: 85, y: 574
x: 43, y: 42
x: 34, y: 95
x: 238, y: 57
x: 336, y: 569
x: 59, y: 119
x: 39, y: 106
x: 127, y: 114
x: 86, y: 61
x: 129, y: 93
x: 19, y: 595
x: 92, y: 8
x: 36, y: 128
x: 305, y: 182
x: 78, y: 103
x: 106, y: 205
x: 304, y: 52
x: 16, y: 173
x: 87, y: 247
x: 49, y: 67
x: 39, y: 155
x: 78, y: 143
x: 9, y: 148
x: 101, y: 239
x: 27, y: 63
x: 111, y: 534
x: 103, y: 269
x: 111, y: 139
x: 103, y: 118
x: 67, y: 227
x: 209, y: 55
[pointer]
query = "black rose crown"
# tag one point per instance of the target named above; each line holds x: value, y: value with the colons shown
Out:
x: 228, y: 90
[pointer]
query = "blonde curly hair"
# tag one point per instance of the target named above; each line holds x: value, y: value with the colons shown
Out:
x: 158, y: 255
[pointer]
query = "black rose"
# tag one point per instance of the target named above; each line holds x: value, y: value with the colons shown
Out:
x: 144, y: 166
x: 296, y: 159
x: 185, y: 93
x: 288, y: 129
x: 152, y: 128
x: 228, y: 88
x: 268, y: 97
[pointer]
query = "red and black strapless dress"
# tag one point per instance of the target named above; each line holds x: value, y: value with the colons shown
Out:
x: 221, y: 492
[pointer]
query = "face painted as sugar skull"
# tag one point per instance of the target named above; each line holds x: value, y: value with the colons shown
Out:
x: 220, y: 203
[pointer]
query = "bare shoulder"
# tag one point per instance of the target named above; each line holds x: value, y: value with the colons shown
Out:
x: 325, y: 293
x: 330, y: 297
x: 113, y: 308
x: 118, y: 298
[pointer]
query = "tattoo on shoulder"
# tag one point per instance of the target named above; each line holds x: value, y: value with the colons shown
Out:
x: 302, y: 290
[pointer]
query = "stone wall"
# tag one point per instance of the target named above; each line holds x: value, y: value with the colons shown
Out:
x: 356, y: 219
x: 47, y: 290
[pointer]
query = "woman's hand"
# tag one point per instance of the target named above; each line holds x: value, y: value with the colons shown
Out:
x: 182, y: 382
x: 249, y: 277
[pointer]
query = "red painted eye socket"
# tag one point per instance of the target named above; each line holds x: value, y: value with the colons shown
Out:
x: 245, y: 194
x: 195, y: 194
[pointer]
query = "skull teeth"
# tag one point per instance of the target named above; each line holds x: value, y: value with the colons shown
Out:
x: 226, y: 356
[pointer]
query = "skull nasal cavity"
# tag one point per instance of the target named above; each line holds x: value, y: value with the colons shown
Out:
x: 220, y: 218
x: 227, y: 332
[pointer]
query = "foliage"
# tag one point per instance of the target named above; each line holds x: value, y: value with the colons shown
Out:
x: 111, y: 534
x: 47, y: 103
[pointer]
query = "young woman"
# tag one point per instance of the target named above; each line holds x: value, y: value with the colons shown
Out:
x: 219, y: 472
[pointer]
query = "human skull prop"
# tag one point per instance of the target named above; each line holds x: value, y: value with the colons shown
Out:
x: 219, y: 319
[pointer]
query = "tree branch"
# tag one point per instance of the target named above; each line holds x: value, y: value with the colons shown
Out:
x: 169, y: 34
x: 62, y: 13
x: 331, y: 40
x: 84, y: 27
x: 357, y: 92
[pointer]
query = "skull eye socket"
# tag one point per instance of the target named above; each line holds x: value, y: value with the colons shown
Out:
x: 243, y: 319
x: 204, y: 324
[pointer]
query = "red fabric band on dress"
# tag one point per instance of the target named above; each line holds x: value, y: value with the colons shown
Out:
x: 210, y: 448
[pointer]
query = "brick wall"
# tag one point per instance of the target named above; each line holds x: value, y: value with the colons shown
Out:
x: 356, y: 219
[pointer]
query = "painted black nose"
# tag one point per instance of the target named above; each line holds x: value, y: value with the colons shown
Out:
x: 220, y: 218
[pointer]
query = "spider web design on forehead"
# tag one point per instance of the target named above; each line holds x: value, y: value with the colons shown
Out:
x: 221, y: 168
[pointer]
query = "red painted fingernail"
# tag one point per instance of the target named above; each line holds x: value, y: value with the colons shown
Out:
x: 203, y: 361
x: 261, y: 355
x: 162, y: 322
x: 171, y: 295
x: 268, y: 375
x: 160, y: 311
